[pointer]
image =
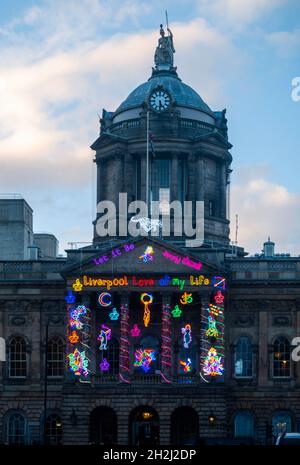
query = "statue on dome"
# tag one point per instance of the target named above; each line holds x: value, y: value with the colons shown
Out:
x: 165, y: 50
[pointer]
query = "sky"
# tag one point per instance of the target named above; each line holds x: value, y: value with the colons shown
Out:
x: 62, y: 62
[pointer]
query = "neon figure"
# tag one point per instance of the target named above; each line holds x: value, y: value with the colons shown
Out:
x: 135, y: 331
x: 104, y: 299
x: 215, y: 310
x: 176, y: 312
x: 213, y: 363
x: 73, y: 338
x: 114, y: 315
x: 186, y: 298
x: 77, y: 286
x: 186, y: 335
x: 219, y: 282
x: 212, y: 330
x: 219, y: 298
x: 186, y: 365
x: 70, y: 298
x: 144, y: 358
x: 146, y: 299
x: 78, y: 363
x: 104, y: 365
x: 75, y: 315
x: 148, y: 254
x: 104, y: 337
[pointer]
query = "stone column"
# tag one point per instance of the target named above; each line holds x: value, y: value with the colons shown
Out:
x: 199, y: 173
x: 223, y: 190
x: 263, y: 349
x: 101, y: 174
x: 166, y: 338
x: 174, y: 178
x: 124, y: 357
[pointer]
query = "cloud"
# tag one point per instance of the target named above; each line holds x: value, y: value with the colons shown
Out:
x: 264, y: 209
x: 286, y: 43
x: 239, y: 13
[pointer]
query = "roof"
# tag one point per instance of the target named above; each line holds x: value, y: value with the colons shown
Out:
x: 183, y: 94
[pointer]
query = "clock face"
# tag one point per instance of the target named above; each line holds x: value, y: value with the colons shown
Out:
x: 160, y: 100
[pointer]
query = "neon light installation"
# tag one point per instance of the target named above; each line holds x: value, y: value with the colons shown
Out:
x: 186, y: 298
x: 124, y: 344
x: 219, y: 298
x: 104, y: 299
x: 146, y: 299
x: 144, y: 358
x: 219, y: 282
x: 147, y: 255
x: 114, y: 315
x: 212, y: 330
x: 70, y: 298
x: 75, y: 315
x: 135, y: 331
x: 213, y: 363
x: 176, y: 312
x: 186, y: 365
x: 104, y: 337
x: 215, y: 310
x: 73, y: 338
x: 104, y: 365
x: 78, y: 363
x: 186, y: 335
x: 166, y: 346
x: 77, y: 286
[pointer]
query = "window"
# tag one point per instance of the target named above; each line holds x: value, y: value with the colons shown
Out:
x: 149, y: 361
x: 56, y: 357
x: 281, y: 358
x: 16, y: 429
x: 17, y: 358
x: 281, y: 420
x: 243, y: 425
x: 53, y: 429
x: 160, y: 182
x: 112, y: 356
x: 243, y: 359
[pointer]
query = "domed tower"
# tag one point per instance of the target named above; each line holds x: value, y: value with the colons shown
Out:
x: 164, y: 143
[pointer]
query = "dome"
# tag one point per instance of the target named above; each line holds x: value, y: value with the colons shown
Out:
x: 181, y: 93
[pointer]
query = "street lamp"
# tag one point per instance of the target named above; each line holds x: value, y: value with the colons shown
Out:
x: 211, y: 419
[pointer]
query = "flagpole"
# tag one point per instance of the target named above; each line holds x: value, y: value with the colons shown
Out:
x: 147, y: 164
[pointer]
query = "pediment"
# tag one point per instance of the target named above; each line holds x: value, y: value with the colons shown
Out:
x: 131, y: 258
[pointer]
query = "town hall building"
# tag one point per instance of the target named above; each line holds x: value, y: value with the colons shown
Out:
x: 149, y: 340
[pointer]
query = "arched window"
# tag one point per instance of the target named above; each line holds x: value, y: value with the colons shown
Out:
x: 243, y: 358
x: 281, y: 420
x: 243, y: 425
x: 281, y: 358
x: 56, y: 357
x: 53, y: 429
x: 17, y: 358
x: 16, y: 429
